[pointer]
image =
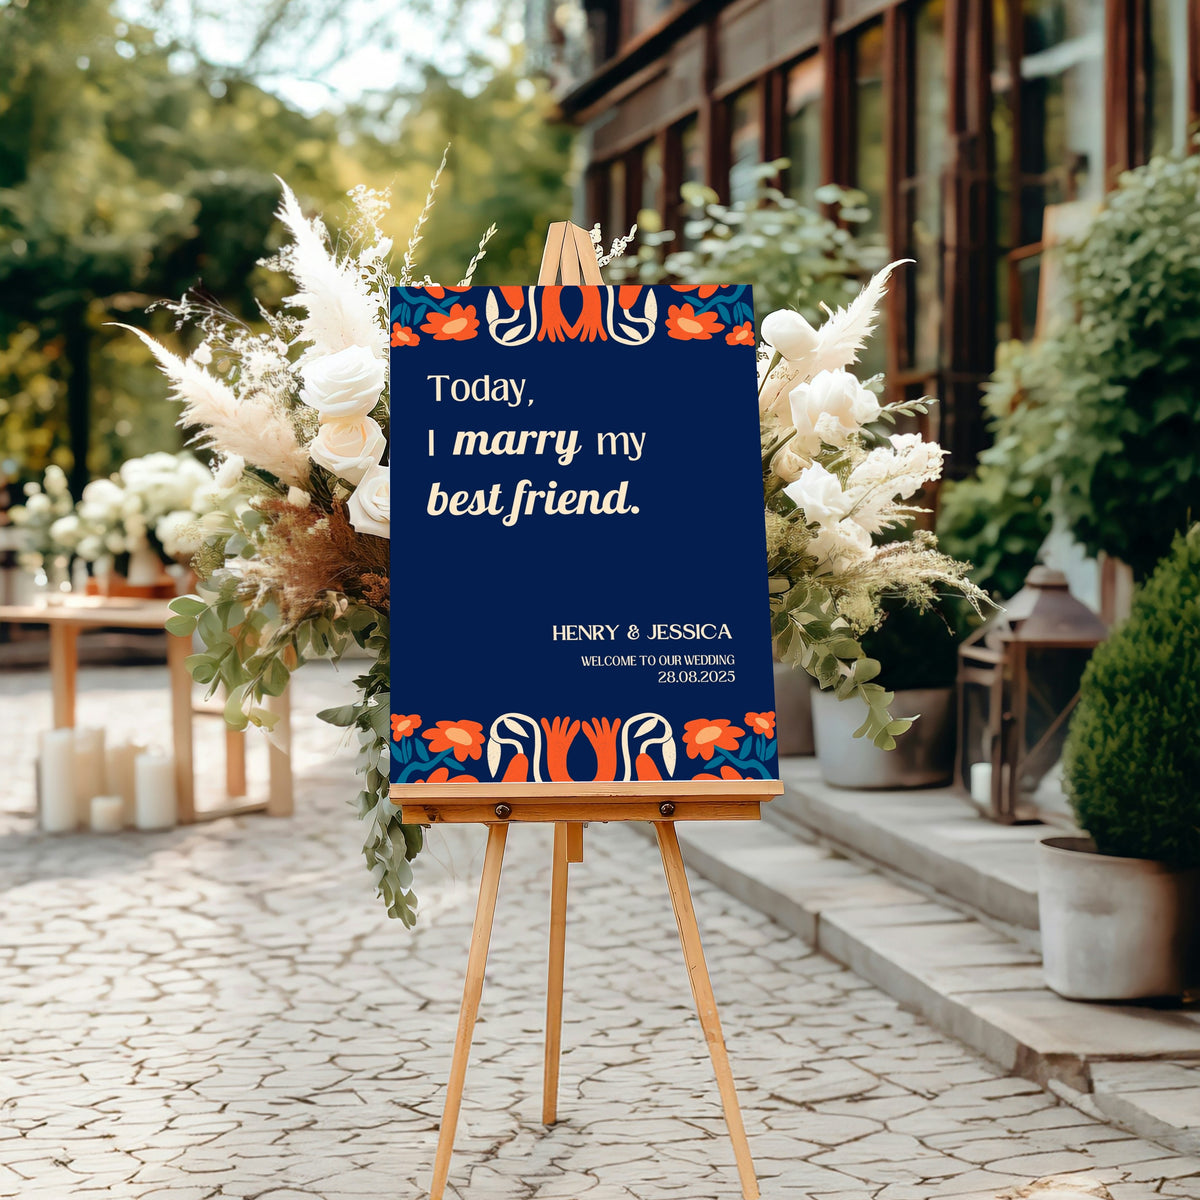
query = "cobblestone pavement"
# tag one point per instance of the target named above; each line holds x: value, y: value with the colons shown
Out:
x: 224, y: 1011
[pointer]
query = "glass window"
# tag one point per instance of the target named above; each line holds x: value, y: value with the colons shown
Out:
x: 930, y: 115
x: 644, y: 14
x: 805, y: 89
x: 870, y: 168
x: 652, y: 175
x: 1048, y: 99
x: 691, y: 170
x: 745, y: 143
x: 1168, y: 76
x: 618, y: 224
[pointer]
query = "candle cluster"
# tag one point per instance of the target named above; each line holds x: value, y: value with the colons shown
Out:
x: 83, y: 784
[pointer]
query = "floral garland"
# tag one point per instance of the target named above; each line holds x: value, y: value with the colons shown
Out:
x: 293, y: 553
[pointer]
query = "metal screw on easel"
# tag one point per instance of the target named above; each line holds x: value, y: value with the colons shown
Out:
x: 667, y: 808
x: 503, y: 811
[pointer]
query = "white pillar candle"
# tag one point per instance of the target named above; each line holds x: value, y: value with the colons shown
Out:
x: 108, y: 814
x: 981, y: 782
x: 89, y: 770
x: 59, y: 811
x: 154, y: 789
x: 119, y: 775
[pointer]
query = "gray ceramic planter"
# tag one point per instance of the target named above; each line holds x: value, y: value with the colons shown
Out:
x: 793, y: 710
x: 1115, y: 928
x: 923, y: 757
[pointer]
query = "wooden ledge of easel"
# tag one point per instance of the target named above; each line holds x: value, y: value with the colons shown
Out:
x: 650, y: 800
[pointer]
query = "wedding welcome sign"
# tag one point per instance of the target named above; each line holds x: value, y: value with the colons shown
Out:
x: 578, y: 554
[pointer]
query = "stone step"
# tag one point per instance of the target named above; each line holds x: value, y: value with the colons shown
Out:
x: 933, y: 836
x: 1139, y: 1067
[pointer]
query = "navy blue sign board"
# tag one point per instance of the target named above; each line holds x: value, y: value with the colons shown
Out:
x: 577, y: 537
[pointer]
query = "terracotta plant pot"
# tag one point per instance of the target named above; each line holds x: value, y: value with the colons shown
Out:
x: 923, y: 757
x: 1116, y: 928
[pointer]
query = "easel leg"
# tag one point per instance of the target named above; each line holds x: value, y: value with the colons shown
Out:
x: 706, y: 1004
x: 554, y: 981
x: 481, y: 936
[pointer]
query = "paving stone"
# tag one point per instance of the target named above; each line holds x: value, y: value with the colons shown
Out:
x: 225, y: 1011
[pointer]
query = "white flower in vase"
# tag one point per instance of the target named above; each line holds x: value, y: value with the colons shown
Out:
x: 819, y: 494
x: 789, y: 335
x: 830, y: 407
x: 348, y: 446
x: 371, y: 503
x: 345, y: 384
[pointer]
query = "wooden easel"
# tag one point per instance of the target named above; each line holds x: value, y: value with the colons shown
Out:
x: 569, y: 806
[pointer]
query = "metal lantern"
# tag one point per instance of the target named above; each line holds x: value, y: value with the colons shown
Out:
x: 1018, y: 682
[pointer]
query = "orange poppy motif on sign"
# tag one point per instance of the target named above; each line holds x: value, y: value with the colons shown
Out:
x: 403, y: 727
x: 703, y: 737
x: 458, y: 325
x: 462, y: 738
x: 402, y: 335
x: 687, y: 325
x: 741, y: 335
x: 763, y: 723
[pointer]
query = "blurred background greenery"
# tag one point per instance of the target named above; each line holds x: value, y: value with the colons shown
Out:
x: 139, y: 144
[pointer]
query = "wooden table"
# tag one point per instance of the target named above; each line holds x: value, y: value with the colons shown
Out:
x: 76, y: 613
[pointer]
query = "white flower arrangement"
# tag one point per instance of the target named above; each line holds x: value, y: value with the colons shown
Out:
x: 294, y: 559
x: 46, y: 519
x: 152, y: 503
x: 835, y: 479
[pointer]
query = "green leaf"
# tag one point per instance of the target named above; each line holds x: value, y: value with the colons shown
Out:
x: 180, y: 625
x: 345, y: 715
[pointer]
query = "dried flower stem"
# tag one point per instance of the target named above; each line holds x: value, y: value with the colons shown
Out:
x: 409, y: 264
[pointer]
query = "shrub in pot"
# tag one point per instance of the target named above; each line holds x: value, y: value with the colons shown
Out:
x: 1119, y: 908
x: 918, y: 654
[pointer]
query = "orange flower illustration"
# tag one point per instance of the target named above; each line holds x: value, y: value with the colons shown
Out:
x: 702, y: 290
x: 703, y: 737
x: 442, y: 775
x: 684, y: 323
x: 463, y: 737
x: 763, y: 723
x: 402, y: 335
x: 436, y: 290
x: 403, y: 727
x: 727, y: 772
x: 741, y: 335
x: 514, y: 297
x: 459, y: 325
x: 628, y: 293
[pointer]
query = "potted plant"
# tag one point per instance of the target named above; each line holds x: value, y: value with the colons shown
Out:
x: 917, y: 653
x: 1118, y: 908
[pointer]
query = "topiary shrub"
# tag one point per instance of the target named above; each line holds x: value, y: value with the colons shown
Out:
x: 1132, y: 757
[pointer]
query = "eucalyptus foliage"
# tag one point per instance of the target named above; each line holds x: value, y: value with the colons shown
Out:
x: 1132, y: 757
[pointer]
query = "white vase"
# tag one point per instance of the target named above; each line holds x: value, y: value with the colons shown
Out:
x: 145, y: 568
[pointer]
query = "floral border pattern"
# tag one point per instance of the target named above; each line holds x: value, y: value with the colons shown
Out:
x: 517, y: 749
x: 627, y: 314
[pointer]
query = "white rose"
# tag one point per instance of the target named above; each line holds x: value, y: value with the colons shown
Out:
x: 820, y: 495
x: 831, y: 405
x: 32, y: 489
x: 65, y: 531
x: 348, y: 446
x: 55, y: 480
x: 345, y: 384
x: 840, y: 546
x: 789, y: 334
x: 230, y: 471
x: 178, y: 533
x: 38, y: 505
x: 371, y: 504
